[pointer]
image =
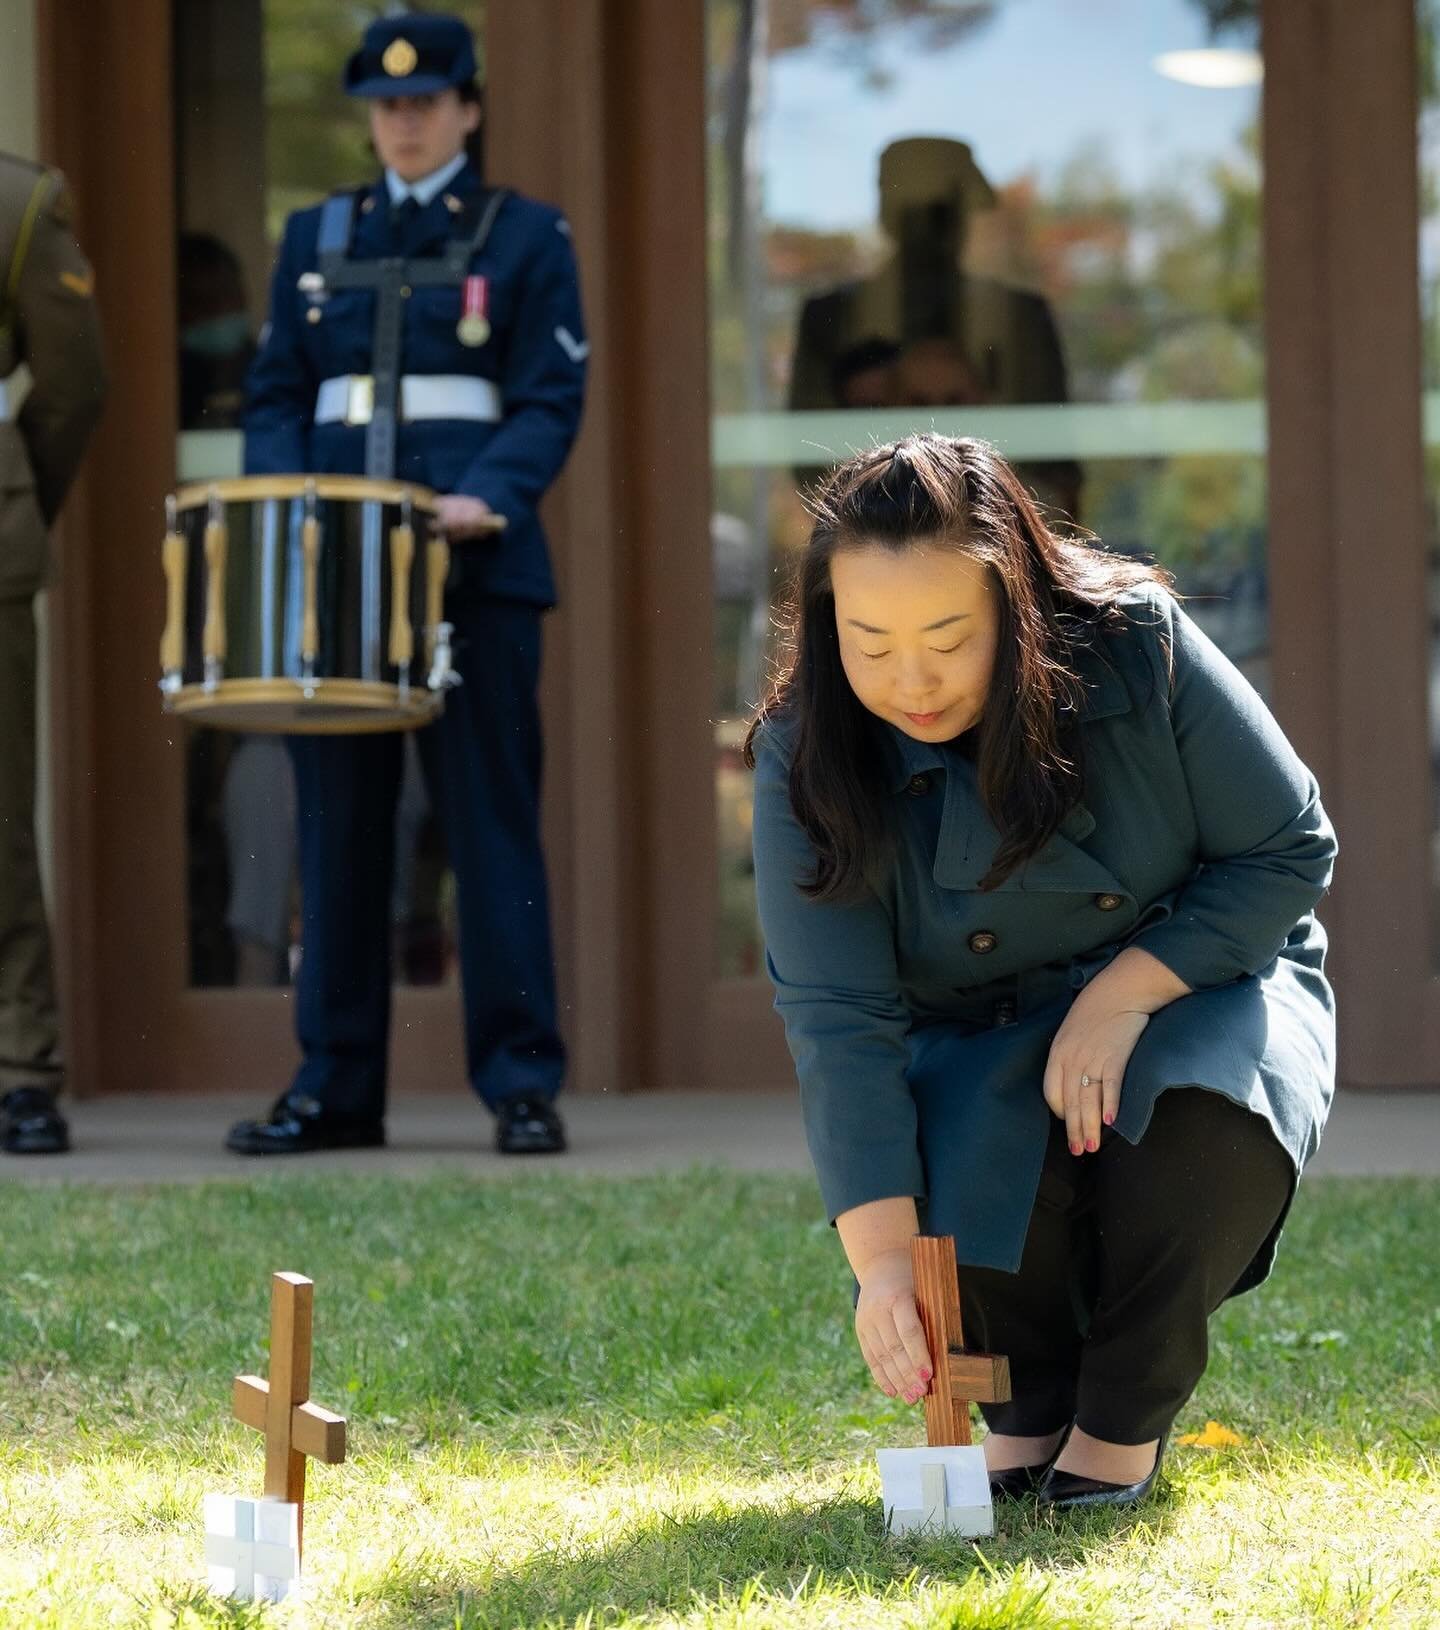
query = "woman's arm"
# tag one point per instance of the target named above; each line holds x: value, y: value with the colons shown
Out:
x: 1266, y: 846
x: 1265, y: 850
x: 877, y: 1239
x: 837, y: 987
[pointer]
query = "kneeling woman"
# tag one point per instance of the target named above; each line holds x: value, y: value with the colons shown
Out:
x: 1036, y: 872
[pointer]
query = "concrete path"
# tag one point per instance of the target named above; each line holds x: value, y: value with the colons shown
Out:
x: 168, y: 1139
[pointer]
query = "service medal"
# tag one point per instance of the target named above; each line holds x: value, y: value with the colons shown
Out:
x: 474, y: 326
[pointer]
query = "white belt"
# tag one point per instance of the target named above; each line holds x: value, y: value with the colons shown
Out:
x: 350, y: 398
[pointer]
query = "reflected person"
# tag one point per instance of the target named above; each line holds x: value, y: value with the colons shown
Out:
x: 921, y: 298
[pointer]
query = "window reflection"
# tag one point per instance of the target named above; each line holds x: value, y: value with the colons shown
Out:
x: 1024, y: 220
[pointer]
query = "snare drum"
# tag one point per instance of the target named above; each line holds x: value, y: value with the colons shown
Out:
x: 306, y: 604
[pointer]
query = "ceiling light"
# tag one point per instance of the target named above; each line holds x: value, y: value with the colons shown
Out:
x: 1217, y: 70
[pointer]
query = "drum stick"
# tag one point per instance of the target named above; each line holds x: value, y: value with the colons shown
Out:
x: 173, y: 559
x: 438, y: 569
x: 309, y: 616
x: 216, y: 544
x: 402, y: 633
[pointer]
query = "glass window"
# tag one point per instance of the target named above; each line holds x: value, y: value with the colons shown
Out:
x: 1025, y: 220
x: 263, y: 128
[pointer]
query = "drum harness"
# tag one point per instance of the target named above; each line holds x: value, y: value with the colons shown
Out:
x: 391, y: 278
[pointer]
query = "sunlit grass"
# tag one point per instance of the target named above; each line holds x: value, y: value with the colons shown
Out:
x: 620, y: 1403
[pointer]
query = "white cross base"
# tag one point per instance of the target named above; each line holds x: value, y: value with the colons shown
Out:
x: 252, y: 1547
x: 936, y: 1491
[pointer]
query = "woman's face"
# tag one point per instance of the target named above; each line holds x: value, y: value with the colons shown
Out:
x: 417, y: 135
x: 918, y: 632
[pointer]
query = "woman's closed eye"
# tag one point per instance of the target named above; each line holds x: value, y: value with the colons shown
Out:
x: 939, y: 650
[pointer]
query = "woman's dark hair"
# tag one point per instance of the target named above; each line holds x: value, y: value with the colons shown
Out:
x: 1055, y: 593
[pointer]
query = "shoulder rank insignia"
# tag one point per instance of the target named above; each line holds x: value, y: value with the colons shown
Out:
x: 576, y: 350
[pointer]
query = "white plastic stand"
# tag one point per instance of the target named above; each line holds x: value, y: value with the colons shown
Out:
x: 936, y: 1491
x: 252, y: 1547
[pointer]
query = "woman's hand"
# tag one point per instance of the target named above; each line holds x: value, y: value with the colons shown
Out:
x: 1086, y: 1071
x: 460, y: 517
x: 1088, y: 1058
x: 891, y: 1335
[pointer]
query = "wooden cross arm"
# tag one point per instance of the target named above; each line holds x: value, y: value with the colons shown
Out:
x: 981, y: 1377
x: 313, y: 1431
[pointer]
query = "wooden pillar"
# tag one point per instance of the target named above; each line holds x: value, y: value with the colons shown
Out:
x: 110, y: 131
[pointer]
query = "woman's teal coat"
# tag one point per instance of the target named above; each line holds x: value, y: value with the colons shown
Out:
x: 920, y: 1017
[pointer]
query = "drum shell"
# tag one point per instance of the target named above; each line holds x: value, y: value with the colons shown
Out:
x: 265, y: 588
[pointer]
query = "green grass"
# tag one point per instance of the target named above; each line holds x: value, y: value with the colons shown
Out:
x: 606, y: 1403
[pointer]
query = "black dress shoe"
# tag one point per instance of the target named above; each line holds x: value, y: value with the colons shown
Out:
x: 528, y: 1126
x: 1018, y: 1482
x: 30, y: 1124
x: 298, y: 1126
x: 1067, y: 1491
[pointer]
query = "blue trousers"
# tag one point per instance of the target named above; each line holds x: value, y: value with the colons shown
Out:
x: 482, y: 762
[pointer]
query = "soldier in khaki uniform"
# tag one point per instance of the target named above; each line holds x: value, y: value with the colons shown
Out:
x: 47, y: 323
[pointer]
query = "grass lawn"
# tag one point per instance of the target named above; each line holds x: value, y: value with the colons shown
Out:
x: 598, y: 1402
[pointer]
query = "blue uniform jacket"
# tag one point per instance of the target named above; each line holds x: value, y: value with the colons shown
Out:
x: 536, y: 355
x: 1201, y: 837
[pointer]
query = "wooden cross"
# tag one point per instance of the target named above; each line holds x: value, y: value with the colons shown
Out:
x: 959, y: 1376
x: 281, y: 1407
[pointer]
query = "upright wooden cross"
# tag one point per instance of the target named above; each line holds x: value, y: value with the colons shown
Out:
x: 959, y: 1376
x: 294, y: 1428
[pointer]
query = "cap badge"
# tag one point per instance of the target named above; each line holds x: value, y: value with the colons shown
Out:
x: 400, y: 58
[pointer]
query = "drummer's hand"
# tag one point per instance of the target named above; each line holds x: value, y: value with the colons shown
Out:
x: 462, y: 517
x: 891, y: 1335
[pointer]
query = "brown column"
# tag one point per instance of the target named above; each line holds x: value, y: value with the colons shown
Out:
x: 116, y: 766
x: 548, y: 103
x: 1380, y: 650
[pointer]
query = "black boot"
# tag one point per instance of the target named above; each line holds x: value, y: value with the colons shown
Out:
x: 30, y: 1124
x: 528, y: 1126
x: 298, y: 1125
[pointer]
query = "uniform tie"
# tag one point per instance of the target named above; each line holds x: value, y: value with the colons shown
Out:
x: 402, y: 216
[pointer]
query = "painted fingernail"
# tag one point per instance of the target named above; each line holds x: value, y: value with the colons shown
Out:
x: 1109, y: 1117
x: 1091, y: 1145
x: 1075, y: 1149
x: 925, y: 1375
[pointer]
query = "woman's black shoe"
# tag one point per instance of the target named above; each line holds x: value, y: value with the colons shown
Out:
x: 1018, y: 1482
x: 1067, y: 1491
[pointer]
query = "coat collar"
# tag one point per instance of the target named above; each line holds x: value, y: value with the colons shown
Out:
x: 968, y: 839
x: 431, y: 229
x: 1105, y: 695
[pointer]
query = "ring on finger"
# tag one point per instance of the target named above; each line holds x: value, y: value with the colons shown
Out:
x: 1086, y: 1081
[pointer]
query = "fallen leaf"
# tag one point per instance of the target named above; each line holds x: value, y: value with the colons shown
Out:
x: 1214, y: 1436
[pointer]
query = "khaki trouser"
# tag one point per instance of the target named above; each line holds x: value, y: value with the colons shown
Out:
x: 29, y: 1029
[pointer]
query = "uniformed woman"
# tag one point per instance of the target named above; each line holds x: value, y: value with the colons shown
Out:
x: 428, y: 327
x: 1036, y: 873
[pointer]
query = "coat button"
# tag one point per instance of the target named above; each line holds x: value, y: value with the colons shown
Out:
x: 1003, y: 1013
x: 919, y: 786
x: 1109, y: 902
x: 983, y: 942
